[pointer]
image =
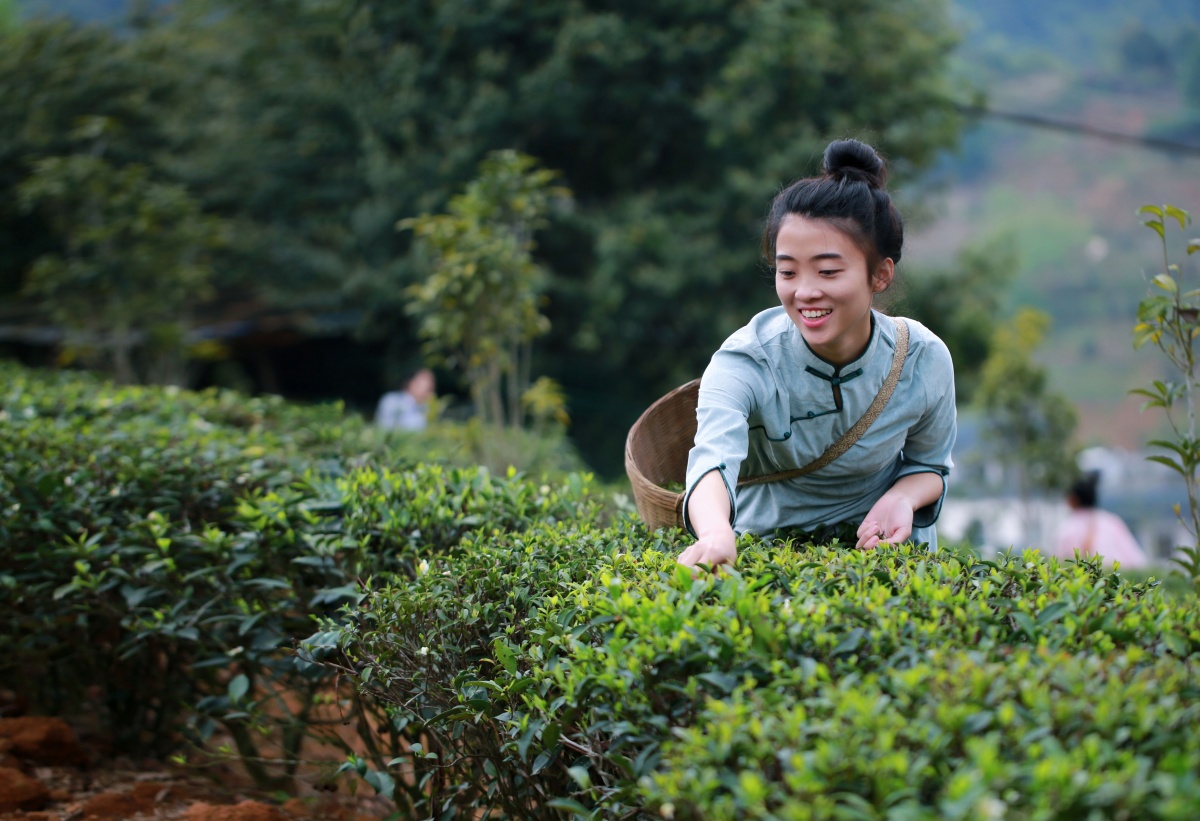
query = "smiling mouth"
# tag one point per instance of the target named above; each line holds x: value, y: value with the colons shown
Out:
x: 816, y: 314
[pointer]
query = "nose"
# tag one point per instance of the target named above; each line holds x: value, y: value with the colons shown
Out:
x: 807, y: 289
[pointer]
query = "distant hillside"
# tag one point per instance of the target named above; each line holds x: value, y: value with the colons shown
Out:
x: 1067, y: 199
x: 91, y: 11
x: 1079, y: 31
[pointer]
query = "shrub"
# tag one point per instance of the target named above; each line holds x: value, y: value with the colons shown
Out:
x: 455, y: 648
x: 1168, y: 318
x: 161, y: 551
x: 583, y: 671
x: 471, y: 444
x: 98, y: 487
x: 515, y: 653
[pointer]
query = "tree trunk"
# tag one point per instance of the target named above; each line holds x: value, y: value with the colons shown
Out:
x: 264, y: 370
x: 477, y: 377
x: 494, y: 398
x: 515, y: 388
x: 121, y: 348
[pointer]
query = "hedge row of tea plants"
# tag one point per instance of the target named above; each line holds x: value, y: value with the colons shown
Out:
x: 210, y: 566
x: 162, y: 551
x: 570, y: 670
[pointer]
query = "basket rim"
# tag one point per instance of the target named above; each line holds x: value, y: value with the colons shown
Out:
x: 654, y: 502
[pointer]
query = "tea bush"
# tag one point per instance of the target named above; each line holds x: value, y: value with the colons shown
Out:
x: 516, y: 650
x: 470, y: 444
x: 161, y: 551
x: 579, y: 671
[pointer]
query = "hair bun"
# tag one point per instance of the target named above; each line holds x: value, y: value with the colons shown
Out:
x: 854, y: 161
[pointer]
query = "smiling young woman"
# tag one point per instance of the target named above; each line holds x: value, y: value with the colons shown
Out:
x: 823, y: 283
x: 829, y: 413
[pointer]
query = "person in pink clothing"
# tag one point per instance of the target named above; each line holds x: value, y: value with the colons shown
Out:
x: 1089, y: 531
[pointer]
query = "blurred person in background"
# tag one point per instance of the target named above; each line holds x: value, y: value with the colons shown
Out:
x: 408, y: 407
x: 1090, y: 531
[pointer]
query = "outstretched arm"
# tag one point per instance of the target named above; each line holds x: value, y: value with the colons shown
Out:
x: 708, y: 512
x: 891, y: 518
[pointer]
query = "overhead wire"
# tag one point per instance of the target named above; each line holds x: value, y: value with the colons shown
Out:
x: 1051, y: 123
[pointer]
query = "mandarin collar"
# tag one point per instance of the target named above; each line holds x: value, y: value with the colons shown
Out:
x: 814, y: 359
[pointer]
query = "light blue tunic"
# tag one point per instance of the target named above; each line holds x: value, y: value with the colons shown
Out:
x: 769, y: 403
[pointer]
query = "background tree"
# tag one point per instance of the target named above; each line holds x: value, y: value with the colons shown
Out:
x: 56, y: 77
x: 310, y: 129
x: 134, y: 260
x: 1145, y: 56
x: 673, y: 124
x: 478, y: 308
x: 1029, y: 426
x: 8, y: 16
x: 962, y: 305
x: 1188, y: 49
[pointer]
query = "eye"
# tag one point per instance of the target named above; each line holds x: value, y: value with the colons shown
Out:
x: 783, y: 272
x: 828, y: 272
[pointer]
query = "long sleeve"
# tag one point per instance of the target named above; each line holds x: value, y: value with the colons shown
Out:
x: 726, y: 401
x: 768, y: 403
x: 930, y: 442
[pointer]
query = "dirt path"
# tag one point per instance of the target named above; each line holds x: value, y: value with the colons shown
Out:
x: 47, y: 775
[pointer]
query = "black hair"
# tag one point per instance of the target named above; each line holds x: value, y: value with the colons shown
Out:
x: 1084, y: 489
x: 849, y: 193
x: 412, y: 373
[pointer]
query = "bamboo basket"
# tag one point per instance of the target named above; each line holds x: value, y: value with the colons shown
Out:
x: 656, y: 452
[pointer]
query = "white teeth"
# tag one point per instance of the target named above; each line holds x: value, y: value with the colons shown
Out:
x: 815, y: 314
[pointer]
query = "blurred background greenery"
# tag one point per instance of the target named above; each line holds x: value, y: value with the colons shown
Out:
x: 208, y: 192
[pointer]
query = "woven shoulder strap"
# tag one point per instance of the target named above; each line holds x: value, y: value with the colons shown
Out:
x: 860, y: 427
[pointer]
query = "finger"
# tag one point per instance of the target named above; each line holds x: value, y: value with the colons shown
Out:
x: 713, y: 563
x: 721, y: 567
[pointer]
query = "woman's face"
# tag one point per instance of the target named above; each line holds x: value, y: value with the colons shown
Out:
x: 822, y: 280
x: 422, y: 386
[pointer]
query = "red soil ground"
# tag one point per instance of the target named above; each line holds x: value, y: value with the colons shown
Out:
x: 47, y: 774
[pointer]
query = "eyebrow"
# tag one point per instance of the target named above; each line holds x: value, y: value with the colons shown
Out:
x: 826, y: 255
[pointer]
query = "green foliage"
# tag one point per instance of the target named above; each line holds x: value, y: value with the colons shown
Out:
x: 962, y: 305
x: 134, y: 258
x: 59, y: 81
x: 1145, y: 55
x: 478, y: 306
x: 1083, y: 34
x: 1189, y: 67
x: 8, y: 16
x: 543, y: 450
x: 501, y: 651
x: 1029, y: 425
x: 160, y: 552
x: 311, y: 128
x: 1169, y: 318
x: 106, y: 11
x: 568, y: 669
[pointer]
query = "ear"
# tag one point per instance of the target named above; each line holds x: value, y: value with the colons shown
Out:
x: 884, y: 272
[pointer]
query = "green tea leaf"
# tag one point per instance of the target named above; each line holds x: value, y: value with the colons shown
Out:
x: 238, y: 686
